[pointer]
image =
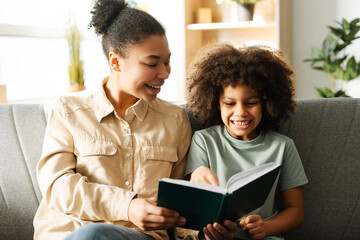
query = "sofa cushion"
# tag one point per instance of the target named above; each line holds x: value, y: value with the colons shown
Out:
x: 21, y: 137
x: 326, y: 133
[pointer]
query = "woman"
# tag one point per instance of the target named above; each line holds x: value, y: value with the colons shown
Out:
x: 104, y: 152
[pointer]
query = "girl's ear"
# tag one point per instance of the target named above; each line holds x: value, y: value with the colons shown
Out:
x: 114, y: 60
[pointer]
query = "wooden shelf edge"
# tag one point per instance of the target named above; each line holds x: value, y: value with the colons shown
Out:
x: 230, y: 25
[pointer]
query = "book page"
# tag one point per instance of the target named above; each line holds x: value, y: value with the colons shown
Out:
x: 203, y: 186
x: 241, y: 179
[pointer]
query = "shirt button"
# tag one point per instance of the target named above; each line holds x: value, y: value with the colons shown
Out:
x: 128, y: 155
x: 127, y: 183
x: 129, y: 111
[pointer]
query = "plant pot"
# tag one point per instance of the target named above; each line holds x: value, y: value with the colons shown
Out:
x: 76, y: 88
x: 245, y: 11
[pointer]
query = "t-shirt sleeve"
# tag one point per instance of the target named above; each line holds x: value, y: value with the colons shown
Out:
x: 198, y: 155
x: 292, y: 173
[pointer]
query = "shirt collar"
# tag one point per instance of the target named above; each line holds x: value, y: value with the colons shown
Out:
x: 140, y: 109
x: 103, y: 106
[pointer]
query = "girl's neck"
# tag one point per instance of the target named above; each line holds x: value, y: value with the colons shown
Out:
x: 118, y: 98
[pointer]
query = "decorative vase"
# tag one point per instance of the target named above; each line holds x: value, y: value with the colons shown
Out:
x: 245, y: 11
x: 76, y: 88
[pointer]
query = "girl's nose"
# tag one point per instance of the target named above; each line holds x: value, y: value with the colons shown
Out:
x: 241, y: 110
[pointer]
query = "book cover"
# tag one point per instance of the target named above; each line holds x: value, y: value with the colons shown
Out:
x: 202, y: 203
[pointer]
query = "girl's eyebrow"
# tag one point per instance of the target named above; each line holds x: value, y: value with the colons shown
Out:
x: 251, y: 97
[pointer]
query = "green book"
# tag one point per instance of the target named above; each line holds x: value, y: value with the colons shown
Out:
x: 202, y: 203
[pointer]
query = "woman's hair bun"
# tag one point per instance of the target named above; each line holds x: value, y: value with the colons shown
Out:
x: 104, y: 13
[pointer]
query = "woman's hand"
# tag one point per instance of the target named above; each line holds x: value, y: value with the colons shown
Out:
x: 217, y: 231
x: 204, y: 175
x: 147, y: 216
x: 254, y: 225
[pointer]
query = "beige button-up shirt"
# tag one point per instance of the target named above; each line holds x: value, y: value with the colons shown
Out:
x: 94, y: 162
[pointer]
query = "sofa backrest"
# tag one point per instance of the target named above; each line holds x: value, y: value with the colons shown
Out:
x: 22, y: 130
x: 326, y: 133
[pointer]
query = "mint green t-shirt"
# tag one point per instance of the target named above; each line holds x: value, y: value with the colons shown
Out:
x: 215, y: 148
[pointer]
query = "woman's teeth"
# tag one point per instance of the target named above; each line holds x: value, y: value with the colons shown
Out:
x: 157, y: 87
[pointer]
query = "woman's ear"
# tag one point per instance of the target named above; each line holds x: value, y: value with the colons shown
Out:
x: 114, y: 60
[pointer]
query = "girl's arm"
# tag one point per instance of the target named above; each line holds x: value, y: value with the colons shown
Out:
x: 204, y: 175
x: 289, y: 218
x: 292, y: 215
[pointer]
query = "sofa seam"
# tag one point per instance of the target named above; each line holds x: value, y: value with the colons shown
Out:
x: 22, y: 152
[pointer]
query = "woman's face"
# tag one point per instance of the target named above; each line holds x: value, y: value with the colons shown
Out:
x: 144, y: 71
x: 240, y: 108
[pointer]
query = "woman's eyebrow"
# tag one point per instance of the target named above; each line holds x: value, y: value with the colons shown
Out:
x: 156, y: 56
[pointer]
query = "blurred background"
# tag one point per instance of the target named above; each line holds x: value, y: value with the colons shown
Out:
x: 35, y: 56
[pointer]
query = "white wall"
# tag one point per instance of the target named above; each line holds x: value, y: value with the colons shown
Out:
x: 309, y: 29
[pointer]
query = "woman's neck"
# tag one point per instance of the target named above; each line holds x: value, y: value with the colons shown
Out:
x: 118, y: 98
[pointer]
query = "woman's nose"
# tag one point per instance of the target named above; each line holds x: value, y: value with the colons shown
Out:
x: 164, y: 72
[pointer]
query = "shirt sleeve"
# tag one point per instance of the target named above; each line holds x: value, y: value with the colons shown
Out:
x: 69, y: 192
x: 184, y: 131
x: 198, y: 154
x: 292, y: 171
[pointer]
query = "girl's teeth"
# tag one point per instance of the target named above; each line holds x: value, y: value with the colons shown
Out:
x: 241, y: 122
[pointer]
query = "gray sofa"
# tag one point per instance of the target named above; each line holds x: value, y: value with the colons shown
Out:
x: 326, y: 133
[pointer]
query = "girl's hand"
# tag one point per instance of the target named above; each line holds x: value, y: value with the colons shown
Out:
x: 147, y: 216
x: 254, y: 225
x: 204, y: 175
x: 217, y: 231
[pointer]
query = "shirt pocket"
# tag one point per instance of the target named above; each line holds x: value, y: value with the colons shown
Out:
x: 96, y: 160
x: 156, y: 163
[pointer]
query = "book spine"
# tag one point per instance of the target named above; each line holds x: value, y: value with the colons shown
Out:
x: 224, y: 207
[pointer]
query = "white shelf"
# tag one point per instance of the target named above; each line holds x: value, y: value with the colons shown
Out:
x: 231, y: 25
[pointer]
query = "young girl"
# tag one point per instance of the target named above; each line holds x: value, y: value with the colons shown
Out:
x: 242, y: 95
x: 104, y: 152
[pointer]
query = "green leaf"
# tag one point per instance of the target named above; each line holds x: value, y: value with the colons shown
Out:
x: 324, y: 92
x: 351, y: 70
x: 339, y: 72
x: 327, y: 93
x: 345, y: 24
x: 337, y: 32
x: 354, y: 22
x: 340, y: 93
x: 316, y: 53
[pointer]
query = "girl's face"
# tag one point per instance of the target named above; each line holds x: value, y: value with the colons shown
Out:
x: 144, y: 71
x: 241, y: 109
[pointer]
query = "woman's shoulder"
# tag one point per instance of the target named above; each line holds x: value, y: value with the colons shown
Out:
x: 167, y: 108
x: 72, y: 102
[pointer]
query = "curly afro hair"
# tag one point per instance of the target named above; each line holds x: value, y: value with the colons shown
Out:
x: 261, y: 68
x: 122, y: 26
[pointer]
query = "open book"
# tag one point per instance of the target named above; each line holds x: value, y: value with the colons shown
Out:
x: 202, y: 203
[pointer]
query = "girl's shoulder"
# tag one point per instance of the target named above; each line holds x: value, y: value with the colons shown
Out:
x: 277, y: 137
x: 210, y: 132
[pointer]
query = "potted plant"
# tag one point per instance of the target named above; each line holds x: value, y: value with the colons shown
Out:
x: 333, y: 59
x: 245, y: 8
x: 76, y: 71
